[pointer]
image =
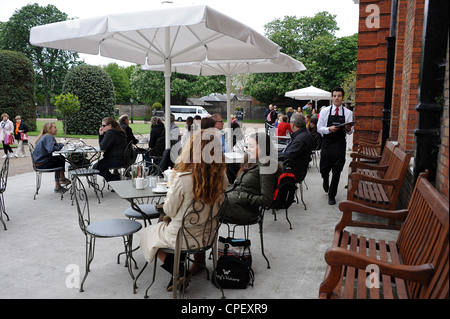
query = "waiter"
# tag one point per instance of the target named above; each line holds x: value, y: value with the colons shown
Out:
x: 333, y: 141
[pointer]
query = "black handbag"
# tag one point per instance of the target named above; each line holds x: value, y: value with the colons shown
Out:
x: 234, y: 265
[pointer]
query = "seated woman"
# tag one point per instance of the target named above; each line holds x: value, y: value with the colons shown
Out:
x: 113, y: 141
x: 203, y: 180
x: 43, y: 154
x: 156, y: 143
x: 254, y: 185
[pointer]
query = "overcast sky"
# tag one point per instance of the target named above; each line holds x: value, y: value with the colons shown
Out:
x: 254, y: 13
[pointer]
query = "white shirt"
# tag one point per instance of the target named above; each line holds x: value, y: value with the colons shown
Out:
x: 322, y: 127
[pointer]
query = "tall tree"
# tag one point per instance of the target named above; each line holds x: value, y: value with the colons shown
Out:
x: 50, y: 65
x: 121, y: 81
x: 312, y: 41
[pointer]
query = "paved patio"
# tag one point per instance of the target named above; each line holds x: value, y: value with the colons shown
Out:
x: 43, y: 248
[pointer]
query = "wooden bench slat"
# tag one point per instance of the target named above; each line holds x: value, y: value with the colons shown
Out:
x: 385, y: 280
x: 400, y: 285
x: 362, y: 289
x: 349, y: 286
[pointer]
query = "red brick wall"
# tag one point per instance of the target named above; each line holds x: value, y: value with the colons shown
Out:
x: 371, y: 68
x: 412, y: 48
x: 442, y: 174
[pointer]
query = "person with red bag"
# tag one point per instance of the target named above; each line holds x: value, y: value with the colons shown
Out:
x: 20, y: 133
x: 6, y: 135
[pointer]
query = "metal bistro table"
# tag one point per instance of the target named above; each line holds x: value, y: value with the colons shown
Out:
x: 80, y: 159
x: 126, y: 190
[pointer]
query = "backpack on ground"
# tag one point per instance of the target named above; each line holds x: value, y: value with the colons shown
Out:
x: 234, y: 266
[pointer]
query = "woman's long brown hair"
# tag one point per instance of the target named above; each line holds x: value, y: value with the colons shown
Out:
x: 207, y: 175
x: 46, y: 130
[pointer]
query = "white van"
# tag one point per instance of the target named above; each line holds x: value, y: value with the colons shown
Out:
x: 182, y: 112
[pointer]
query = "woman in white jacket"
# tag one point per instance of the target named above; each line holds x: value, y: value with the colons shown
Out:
x: 6, y: 129
x: 202, y: 180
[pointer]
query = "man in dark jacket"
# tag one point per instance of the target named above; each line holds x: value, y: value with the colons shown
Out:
x: 299, y: 148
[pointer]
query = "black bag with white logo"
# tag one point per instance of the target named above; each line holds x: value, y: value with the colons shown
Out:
x: 234, y: 266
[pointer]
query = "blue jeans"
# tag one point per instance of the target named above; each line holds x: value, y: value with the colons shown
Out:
x: 105, y: 164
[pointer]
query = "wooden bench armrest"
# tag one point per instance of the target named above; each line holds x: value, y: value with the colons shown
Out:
x: 337, y: 257
x: 356, y: 156
x: 356, y: 177
x: 376, y: 146
x: 368, y: 139
x: 347, y: 207
x: 363, y: 165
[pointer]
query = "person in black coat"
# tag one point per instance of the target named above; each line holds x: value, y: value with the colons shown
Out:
x: 124, y: 122
x: 156, y: 144
x: 299, y: 149
x: 20, y: 128
x: 112, y: 141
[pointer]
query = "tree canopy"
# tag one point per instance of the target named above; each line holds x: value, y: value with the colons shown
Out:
x: 17, y: 83
x: 311, y: 40
x: 50, y: 65
x: 95, y: 92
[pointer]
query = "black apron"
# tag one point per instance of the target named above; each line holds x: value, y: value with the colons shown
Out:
x: 334, y: 144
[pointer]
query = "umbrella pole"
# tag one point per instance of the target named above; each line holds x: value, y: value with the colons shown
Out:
x: 229, y: 141
x: 167, y: 75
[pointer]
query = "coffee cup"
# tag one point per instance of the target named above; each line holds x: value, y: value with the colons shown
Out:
x: 141, y: 183
x: 161, y: 187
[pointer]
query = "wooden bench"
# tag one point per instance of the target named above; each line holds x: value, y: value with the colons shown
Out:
x: 381, y: 192
x: 370, y: 147
x: 375, y: 170
x: 415, y: 266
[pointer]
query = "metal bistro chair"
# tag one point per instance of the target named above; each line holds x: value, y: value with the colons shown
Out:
x: 195, y: 220
x: 39, y: 172
x: 259, y: 219
x: 108, y: 228
x: 3, y: 182
x: 81, y: 162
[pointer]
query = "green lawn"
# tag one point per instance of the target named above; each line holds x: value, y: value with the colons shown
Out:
x: 136, y: 127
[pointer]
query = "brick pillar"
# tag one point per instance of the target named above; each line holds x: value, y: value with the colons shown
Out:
x: 409, y: 77
x: 442, y: 175
x: 371, y: 67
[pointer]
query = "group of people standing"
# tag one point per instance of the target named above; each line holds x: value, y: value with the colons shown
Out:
x: 11, y: 133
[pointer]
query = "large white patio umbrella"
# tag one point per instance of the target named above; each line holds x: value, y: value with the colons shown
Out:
x: 163, y: 36
x: 283, y: 63
x: 309, y: 93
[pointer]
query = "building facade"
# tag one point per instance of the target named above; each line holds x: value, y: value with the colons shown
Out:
x: 402, y: 86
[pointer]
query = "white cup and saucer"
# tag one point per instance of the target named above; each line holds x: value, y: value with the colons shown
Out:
x: 161, y: 187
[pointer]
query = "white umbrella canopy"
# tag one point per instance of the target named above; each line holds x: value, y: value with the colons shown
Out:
x: 309, y: 93
x: 163, y: 36
x: 283, y: 63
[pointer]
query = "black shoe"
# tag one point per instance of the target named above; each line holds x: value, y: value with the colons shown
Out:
x: 326, y: 186
x: 331, y: 201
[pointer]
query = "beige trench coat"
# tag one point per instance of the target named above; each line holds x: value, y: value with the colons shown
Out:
x: 178, y: 199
